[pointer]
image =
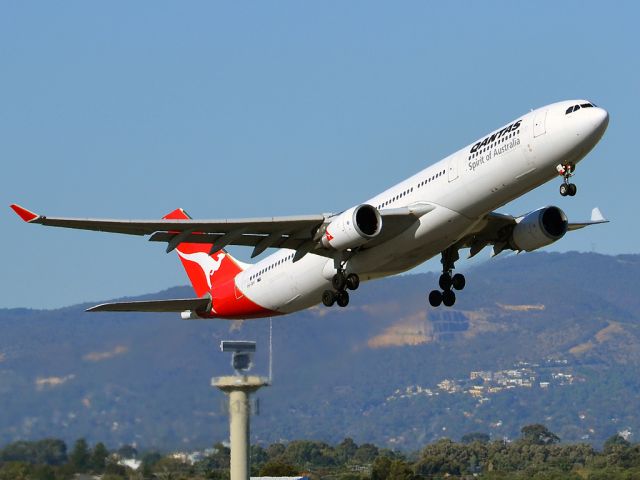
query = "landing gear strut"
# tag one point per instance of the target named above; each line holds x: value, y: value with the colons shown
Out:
x: 566, y: 172
x: 447, y: 281
x: 341, y: 282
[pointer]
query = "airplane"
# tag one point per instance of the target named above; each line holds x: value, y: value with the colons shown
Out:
x: 446, y: 207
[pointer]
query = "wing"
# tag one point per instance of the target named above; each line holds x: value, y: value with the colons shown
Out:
x: 596, y: 218
x: 301, y: 233
x: 496, y: 229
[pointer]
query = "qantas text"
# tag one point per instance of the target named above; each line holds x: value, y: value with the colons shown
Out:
x: 511, y: 128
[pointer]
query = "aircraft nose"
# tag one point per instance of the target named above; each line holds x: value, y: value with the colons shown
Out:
x: 590, y: 124
x: 600, y: 120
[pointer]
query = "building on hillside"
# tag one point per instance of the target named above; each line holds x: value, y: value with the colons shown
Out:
x: 132, y: 463
x: 487, y: 376
x: 449, y: 386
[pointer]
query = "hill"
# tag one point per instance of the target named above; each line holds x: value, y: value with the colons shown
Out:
x: 539, y: 338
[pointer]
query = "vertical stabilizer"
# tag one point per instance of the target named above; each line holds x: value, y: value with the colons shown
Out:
x: 205, y: 271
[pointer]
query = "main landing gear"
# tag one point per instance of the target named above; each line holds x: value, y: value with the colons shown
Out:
x: 566, y: 172
x: 341, y: 282
x: 448, y: 282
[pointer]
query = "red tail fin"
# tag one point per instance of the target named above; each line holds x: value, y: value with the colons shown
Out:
x: 204, y: 270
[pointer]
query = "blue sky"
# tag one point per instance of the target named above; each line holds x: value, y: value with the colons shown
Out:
x: 131, y: 109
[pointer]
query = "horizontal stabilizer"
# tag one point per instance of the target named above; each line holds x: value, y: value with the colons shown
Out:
x: 179, y: 305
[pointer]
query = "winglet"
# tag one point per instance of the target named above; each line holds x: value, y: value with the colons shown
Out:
x: 596, y: 216
x: 596, y: 219
x: 24, y: 214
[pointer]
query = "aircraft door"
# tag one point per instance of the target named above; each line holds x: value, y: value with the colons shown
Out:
x: 452, y: 166
x: 539, y: 123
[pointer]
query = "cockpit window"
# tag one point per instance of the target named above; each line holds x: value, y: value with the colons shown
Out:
x: 575, y: 108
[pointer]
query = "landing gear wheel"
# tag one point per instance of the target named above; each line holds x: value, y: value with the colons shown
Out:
x: 435, y: 298
x: 566, y: 172
x: 445, y: 281
x: 339, y: 281
x: 342, y: 298
x: 353, y: 281
x: 458, y: 282
x: 448, y: 298
x: 328, y: 298
x: 564, y: 189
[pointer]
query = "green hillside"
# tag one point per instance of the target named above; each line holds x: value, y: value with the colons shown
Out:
x: 552, y: 339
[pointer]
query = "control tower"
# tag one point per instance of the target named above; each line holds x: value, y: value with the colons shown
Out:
x: 238, y: 387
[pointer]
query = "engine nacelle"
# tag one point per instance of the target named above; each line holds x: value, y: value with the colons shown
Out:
x: 539, y: 228
x: 352, y: 228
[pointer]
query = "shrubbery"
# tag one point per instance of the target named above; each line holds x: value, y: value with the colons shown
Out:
x: 538, y: 454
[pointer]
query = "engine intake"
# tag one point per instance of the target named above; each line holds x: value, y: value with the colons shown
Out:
x: 539, y: 228
x: 352, y: 228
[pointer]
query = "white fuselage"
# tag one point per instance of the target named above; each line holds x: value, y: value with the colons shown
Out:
x: 463, y: 187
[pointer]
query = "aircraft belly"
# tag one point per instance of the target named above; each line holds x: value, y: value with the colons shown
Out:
x: 433, y: 233
x: 294, y: 288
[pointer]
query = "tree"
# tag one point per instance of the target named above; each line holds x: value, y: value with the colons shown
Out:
x: 99, y: 456
x: 277, y: 469
x: 49, y: 451
x: 114, y: 469
x: 20, y: 451
x: 258, y: 455
x: 305, y: 452
x: 80, y: 456
x: 381, y: 468
x: 366, y: 453
x: 615, y: 441
x: 475, y: 437
x: 346, y: 450
x: 275, y: 450
x: 400, y: 470
x: 113, y: 476
x: 538, y: 434
x: 127, y: 451
x: 14, y: 471
x: 149, y: 461
x: 42, y: 472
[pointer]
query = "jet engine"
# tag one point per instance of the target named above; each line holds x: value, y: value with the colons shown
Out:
x: 352, y: 228
x: 539, y: 228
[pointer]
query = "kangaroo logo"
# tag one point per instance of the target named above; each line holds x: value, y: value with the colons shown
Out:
x: 208, y: 265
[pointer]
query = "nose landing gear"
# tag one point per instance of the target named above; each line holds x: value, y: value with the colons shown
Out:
x: 341, y: 283
x: 447, y: 282
x: 566, y: 172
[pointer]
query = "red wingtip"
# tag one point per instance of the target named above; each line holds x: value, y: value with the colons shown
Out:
x: 177, y: 214
x: 24, y: 214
